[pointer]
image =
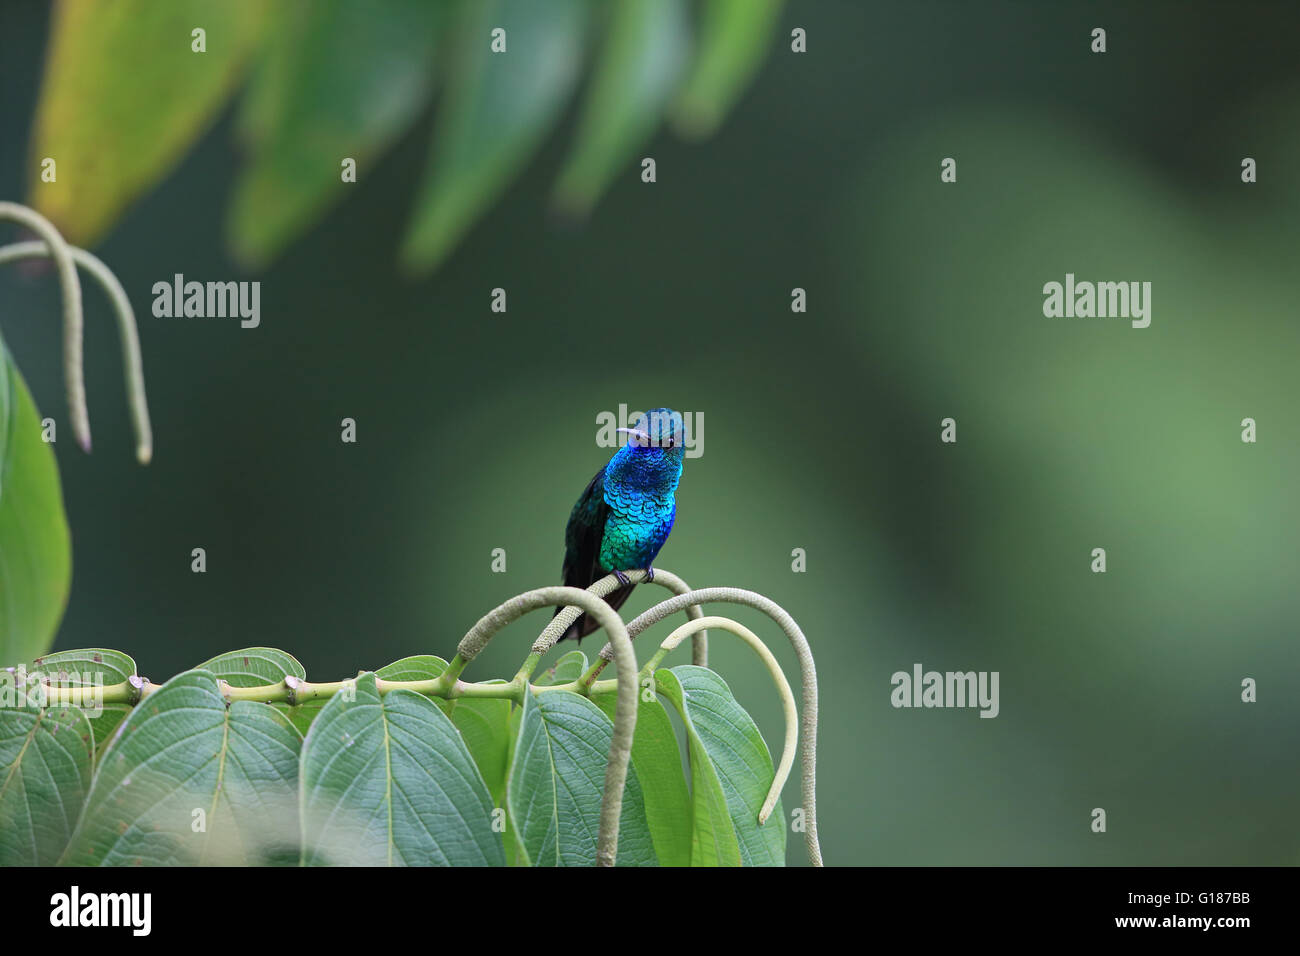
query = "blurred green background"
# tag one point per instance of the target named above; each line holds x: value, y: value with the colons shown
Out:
x: 477, y: 430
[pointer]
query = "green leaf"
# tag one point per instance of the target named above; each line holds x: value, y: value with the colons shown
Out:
x: 713, y: 838
x: 482, y: 722
x: 337, y: 80
x: 566, y: 670
x: 556, y: 782
x: 35, y: 549
x: 45, y: 758
x: 124, y: 96
x: 497, y: 108
x: 734, y: 37
x: 302, y: 715
x: 643, y: 54
x: 658, y: 764
x: 388, y: 781
x: 254, y: 667
x: 259, y: 666
x: 190, y: 780
x: 419, y: 667
x: 731, y: 771
x: 93, y: 667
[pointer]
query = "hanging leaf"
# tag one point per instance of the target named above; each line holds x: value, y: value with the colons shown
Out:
x: 643, y: 55
x: 124, y: 96
x: 498, y: 106
x: 556, y: 782
x: 734, y: 37
x: 731, y: 771
x: 338, y: 80
x: 387, y: 781
x: 190, y: 780
x: 35, y: 549
x: 45, y: 758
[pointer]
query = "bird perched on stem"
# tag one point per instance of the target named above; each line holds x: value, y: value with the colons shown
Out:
x: 624, y: 516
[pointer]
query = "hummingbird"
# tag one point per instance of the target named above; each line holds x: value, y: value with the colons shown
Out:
x: 625, y: 514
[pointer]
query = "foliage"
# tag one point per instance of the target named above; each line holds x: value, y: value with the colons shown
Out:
x: 408, y: 765
x: 35, y: 549
x: 326, y: 81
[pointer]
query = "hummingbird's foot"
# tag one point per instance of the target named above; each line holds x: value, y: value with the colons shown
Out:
x: 622, y: 578
x: 649, y: 574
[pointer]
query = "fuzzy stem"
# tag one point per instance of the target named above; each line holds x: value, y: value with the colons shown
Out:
x: 808, y: 671
x: 605, y: 586
x: 132, y: 364
x: 73, y: 374
x: 620, y: 748
x: 778, y: 678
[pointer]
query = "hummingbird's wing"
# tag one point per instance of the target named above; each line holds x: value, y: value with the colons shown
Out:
x: 582, y: 539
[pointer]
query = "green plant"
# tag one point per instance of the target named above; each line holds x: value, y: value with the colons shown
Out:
x: 242, y: 760
x: 35, y: 550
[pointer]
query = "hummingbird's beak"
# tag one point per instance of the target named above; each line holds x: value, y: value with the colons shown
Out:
x: 635, y: 432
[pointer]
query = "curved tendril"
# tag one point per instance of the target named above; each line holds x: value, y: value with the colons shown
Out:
x: 606, y: 585
x: 620, y: 747
x: 808, y: 721
x: 131, y: 361
x: 778, y: 677
x: 73, y: 374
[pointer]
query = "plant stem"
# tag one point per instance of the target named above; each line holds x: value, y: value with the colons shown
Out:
x: 132, y: 364
x: 73, y: 374
x: 778, y: 677
x: 808, y: 722
x: 294, y: 691
x: 606, y: 585
x: 620, y: 748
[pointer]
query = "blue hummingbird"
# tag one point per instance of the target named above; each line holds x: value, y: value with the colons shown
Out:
x: 624, y: 516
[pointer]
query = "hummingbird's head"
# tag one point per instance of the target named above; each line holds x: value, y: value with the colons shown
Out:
x: 656, y: 444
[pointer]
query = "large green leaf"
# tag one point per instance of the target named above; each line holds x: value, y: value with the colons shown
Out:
x: 729, y: 760
x: 482, y: 722
x: 498, y: 106
x: 35, y: 550
x: 124, y: 96
x: 254, y: 667
x: 93, y: 666
x: 658, y: 764
x: 643, y: 55
x: 734, y: 37
x: 45, y: 758
x: 191, y: 780
x: 337, y: 80
x: 556, y: 782
x: 388, y: 781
